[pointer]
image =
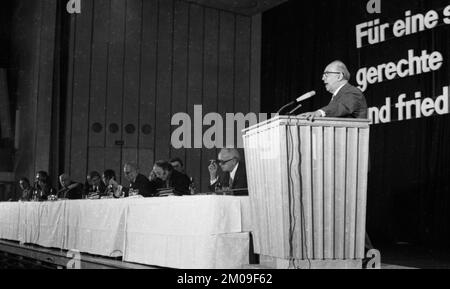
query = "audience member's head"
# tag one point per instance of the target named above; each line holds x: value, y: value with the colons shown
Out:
x: 94, y: 178
x: 108, y: 175
x: 162, y: 170
x: 228, y: 159
x: 42, y: 178
x: 177, y: 164
x: 24, y: 184
x: 131, y: 171
x: 65, y: 180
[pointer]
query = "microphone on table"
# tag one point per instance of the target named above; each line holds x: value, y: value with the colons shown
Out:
x: 298, y: 100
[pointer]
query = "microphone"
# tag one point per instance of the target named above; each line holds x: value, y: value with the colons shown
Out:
x: 298, y: 100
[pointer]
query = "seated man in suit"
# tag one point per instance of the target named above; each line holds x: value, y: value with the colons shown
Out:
x: 347, y: 101
x: 139, y: 184
x: 233, y: 174
x: 94, y: 188
x: 43, y: 187
x: 69, y: 189
x: 27, y: 190
x: 168, y: 177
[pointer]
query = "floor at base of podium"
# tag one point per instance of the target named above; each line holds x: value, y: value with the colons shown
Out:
x: 14, y: 255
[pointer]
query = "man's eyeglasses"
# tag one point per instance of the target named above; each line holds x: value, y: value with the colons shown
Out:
x: 220, y: 162
x: 326, y: 73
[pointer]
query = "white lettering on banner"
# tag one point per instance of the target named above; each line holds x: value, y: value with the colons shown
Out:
x: 413, y: 65
x: 412, y: 109
x: 374, y: 6
x: 373, y: 32
x: 447, y: 15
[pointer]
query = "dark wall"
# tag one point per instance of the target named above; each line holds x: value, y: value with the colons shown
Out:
x: 5, y: 29
x: 408, y: 197
x: 31, y: 82
x: 133, y: 64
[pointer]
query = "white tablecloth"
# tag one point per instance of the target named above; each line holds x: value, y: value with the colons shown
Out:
x: 177, y: 232
x: 9, y: 221
x: 188, y: 232
x: 95, y: 226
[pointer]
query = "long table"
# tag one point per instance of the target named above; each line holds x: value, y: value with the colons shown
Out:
x: 177, y: 232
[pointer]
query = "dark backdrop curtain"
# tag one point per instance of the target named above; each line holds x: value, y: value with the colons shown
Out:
x: 408, y: 194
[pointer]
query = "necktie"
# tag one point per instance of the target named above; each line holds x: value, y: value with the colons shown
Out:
x: 230, y: 184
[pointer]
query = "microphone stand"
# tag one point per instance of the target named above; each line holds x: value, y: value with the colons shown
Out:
x: 295, y: 109
x: 286, y: 106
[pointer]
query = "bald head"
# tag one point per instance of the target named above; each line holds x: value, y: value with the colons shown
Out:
x: 130, y: 170
x: 228, y: 159
x: 65, y: 180
x: 339, y: 66
x: 231, y: 153
x: 335, y: 75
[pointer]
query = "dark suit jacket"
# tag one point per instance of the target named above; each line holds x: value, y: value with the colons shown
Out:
x: 145, y: 187
x: 178, y: 181
x: 348, y: 103
x: 239, y: 182
x: 89, y: 189
x: 73, y: 192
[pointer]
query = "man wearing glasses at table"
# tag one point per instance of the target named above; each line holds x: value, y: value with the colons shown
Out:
x: 347, y: 101
x: 232, y: 176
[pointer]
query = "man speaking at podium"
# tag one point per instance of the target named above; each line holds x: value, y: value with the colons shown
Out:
x: 347, y: 101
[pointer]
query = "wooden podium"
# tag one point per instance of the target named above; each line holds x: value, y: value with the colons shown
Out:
x: 308, y: 185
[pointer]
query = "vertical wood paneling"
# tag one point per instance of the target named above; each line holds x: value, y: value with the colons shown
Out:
x: 147, y: 98
x: 277, y: 201
x: 351, y: 187
x: 295, y: 203
x: 148, y: 73
x: 96, y: 160
x: 242, y: 65
x: 180, y: 65
x: 81, y: 84
x: 99, y: 72
x: 258, y: 183
x: 164, y: 79
x: 318, y: 197
x: 210, y: 78
x: 320, y: 166
x: 242, y: 68
x: 306, y: 153
x: 145, y: 161
x: 361, y: 200
x: 45, y: 89
x: 268, y: 164
x: 114, y: 101
x: 194, y: 164
x: 226, y: 67
x: 329, y: 171
x: 252, y: 169
x: 150, y: 60
x: 339, y: 210
x: 113, y: 161
x: 130, y: 119
x: 69, y: 136
x: 255, y: 58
